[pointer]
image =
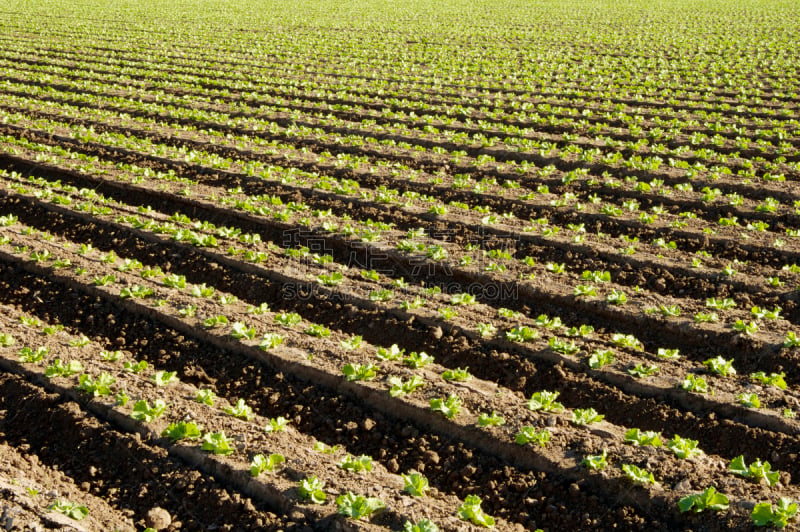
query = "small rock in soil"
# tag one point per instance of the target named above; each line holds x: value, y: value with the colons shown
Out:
x: 158, y: 518
x: 432, y: 456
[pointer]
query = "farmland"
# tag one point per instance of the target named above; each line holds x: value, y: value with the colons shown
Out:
x: 420, y: 266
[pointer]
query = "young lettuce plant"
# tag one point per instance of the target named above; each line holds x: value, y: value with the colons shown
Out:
x: 522, y: 334
x: 423, y: 525
x: 749, y: 400
x: 142, y: 411
x: 400, y: 387
x: 757, y: 471
x: 392, y: 353
x: 270, y: 341
x: 600, y: 358
x: 773, y: 379
x: 640, y: 370
x: 213, y: 321
x: 99, y: 387
x: 240, y: 331
x: 708, y: 499
x: 110, y: 356
x: 596, y: 461
x: 31, y: 356
x: 217, y: 443
x: 360, y: 372
x: 584, y: 416
x: 240, y: 410
x: 311, y: 489
x: 261, y: 463
x: 206, y: 397
x: 134, y: 367
x: 357, y: 506
x: 182, y: 430
x: 545, y: 401
x: 638, y: 474
x: 60, y: 369
x: 449, y: 407
x: 471, y: 511
x: 165, y: 378
x: 6, y: 340
x: 637, y: 437
x: 720, y: 366
x: 491, y: 419
x: 684, y: 447
x: 529, y: 434
x: 276, y: 424
x: 694, y: 383
x: 352, y: 343
x: 417, y: 360
x: 764, y: 514
x: 356, y: 464
x: 415, y: 484
x: 458, y: 374
x: 72, y: 510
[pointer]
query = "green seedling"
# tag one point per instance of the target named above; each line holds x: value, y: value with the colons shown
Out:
x: 30, y: 356
x: 357, y: 506
x: 356, y: 464
x: 417, y: 360
x: 165, y: 378
x: 471, y: 511
x: 142, y: 411
x: 276, y: 424
x: 360, y: 372
x: 206, y: 397
x: 638, y: 474
x: 311, y: 489
x: 270, y: 341
x: 458, y: 374
x: 596, y: 461
x: 61, y: 369
x: 684, y: 447
x: 423, y: 525
x: 492, y: 419
x: 757, y: 470
x: 183, y: 430
x: 584, y: 416
x: 415, y: 484
x: 708, y: 499
x: 240, y: 410
x: 392, y: 353
x: 135, y: 367
x: 764, y: 514
x: 545, y: 401
x: 400, y: 387
x: 99, y: 387
x: 72, y: 510
x: 262, y: 463
x: 529, y: 434
x: 448, y: 407
x: 637, y: 437
x: 217, y: 443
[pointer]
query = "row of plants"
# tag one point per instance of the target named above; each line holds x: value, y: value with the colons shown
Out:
x: 697, y: 262
x: 114, y: 378
x: 357, y: 371
x: 616, y: 298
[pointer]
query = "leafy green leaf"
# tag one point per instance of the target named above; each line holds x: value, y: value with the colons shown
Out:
x: 311, y: 489
x: 471, y: 511
x: 357, y: 506
x: 708, y: 499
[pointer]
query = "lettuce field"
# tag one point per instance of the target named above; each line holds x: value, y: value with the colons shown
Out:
x: 417, y: 266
